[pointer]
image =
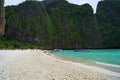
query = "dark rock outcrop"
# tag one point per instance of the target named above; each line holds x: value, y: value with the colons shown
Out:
x: 2, y: 18
x: 108, y: 16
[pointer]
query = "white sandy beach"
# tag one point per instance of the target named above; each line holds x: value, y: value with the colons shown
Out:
x: 36, y: 65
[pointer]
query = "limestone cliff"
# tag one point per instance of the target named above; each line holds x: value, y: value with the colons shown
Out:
x: 58, y: 24
x: 108, y: 16
x: 53, y: 24
x: 2, y: 17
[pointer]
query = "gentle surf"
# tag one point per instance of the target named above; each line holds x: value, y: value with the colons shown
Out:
x: 108, y: 58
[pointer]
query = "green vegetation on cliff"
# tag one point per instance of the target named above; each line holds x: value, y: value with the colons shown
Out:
x: 76, y: 26
x: 16, y: 44
x: 28, y: 22
x: 53, y: 24
x: 108, y: 15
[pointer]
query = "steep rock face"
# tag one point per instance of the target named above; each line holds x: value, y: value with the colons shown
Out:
x: 108, y: 15
x: 2, y: 17
x: 29, y: 22
x: 76, y: 26
x: 53, y: 24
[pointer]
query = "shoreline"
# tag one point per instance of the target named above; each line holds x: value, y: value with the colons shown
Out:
x: 87, y: 64
x: 91, y: 65
x: 38, y: 65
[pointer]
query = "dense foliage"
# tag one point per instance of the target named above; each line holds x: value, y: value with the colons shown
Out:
x: 16, y: 44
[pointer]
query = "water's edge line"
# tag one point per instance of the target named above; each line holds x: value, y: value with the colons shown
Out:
x: 107, y: 64
x: 96, y: 68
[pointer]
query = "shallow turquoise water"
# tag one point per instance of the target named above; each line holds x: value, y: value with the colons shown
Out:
x: 109, y: 56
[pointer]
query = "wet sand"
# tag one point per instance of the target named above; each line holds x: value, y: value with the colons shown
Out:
x: 115, y: 69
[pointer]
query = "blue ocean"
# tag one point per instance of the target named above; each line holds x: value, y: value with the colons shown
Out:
x: 109, y: 57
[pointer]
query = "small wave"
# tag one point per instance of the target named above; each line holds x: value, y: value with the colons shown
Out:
x: 106, y: 64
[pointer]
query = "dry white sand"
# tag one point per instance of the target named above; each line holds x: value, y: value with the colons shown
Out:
x: 35, y: 65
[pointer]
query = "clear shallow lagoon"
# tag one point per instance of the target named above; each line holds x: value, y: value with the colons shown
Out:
x: 108, y: 57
